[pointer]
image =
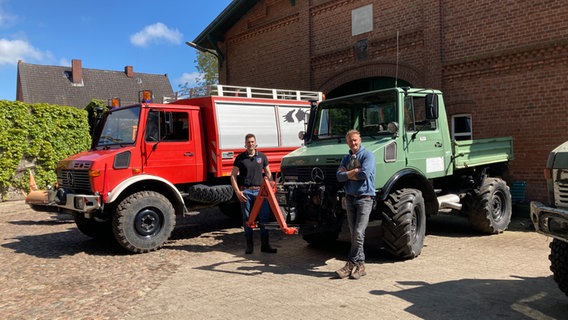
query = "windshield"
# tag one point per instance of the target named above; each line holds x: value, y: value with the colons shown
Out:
x: 120, y: 127
x: 369, y: 113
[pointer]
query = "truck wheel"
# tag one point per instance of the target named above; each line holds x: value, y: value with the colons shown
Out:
x: 143, y: 221
x: 489, y: 207
x: 100, y: 230
x: 559, y: 263
x: 210, y: 194
x: 404, y: 234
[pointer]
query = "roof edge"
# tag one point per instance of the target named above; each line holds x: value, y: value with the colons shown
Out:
x: 226, y: 19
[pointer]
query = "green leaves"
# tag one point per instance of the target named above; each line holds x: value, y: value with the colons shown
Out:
x: 36, y: 137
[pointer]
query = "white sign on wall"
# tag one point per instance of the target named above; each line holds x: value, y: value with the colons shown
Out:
x: 362, y: 20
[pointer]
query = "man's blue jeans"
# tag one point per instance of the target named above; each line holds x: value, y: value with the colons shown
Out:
x: 358, y: 212
x: 246, y: 207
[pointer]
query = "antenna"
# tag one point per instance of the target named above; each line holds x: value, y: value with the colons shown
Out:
x: 396, y: 70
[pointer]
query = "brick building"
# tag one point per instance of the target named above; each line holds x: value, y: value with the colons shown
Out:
x: 502, y: 64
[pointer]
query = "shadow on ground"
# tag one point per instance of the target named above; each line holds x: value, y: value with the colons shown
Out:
x: 520, y: 298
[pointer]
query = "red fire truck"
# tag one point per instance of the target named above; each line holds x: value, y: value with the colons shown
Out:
x: 150, y: 162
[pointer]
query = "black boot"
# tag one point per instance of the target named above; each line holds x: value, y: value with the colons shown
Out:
x: 250, y: 244
x: 265, y: 245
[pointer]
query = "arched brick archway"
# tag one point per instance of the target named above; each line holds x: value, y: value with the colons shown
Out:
x: 373, y: 70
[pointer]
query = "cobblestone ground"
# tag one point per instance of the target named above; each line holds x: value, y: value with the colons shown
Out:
x: 49, y: 270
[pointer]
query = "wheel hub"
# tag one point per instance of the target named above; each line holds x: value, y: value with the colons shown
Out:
x: 147, y: 222
x: 497, y: 211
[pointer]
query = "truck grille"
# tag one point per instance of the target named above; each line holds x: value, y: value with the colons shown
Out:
x: 560, y: 188
x: 75, y: 180
x: 311, y: 173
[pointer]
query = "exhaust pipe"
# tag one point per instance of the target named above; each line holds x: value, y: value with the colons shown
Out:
x: 449, y: 201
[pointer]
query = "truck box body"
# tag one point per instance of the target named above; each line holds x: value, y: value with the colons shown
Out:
x: 227, y: 120
x: 472, y: 153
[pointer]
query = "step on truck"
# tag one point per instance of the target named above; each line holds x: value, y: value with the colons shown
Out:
x: 552, y: 219
x: 420, y: 170
x: 150, y: 162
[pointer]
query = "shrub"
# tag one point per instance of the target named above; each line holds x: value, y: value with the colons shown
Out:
x: 36, y: 137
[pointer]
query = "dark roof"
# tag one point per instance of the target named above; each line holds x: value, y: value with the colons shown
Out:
x: 54, y: 85
x: 216, y: 30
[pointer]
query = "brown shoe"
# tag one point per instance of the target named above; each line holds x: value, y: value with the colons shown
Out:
x: 346, y: 270
x: 358, y: 271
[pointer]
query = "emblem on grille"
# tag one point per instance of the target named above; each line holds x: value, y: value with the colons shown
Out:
x: 70, y: 180
x: 317, y: 175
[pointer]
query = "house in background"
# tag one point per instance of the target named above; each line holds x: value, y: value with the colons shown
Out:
x: 77, y: 86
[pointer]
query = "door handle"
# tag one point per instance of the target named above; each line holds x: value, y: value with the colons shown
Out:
x: 438, y: 144
x: 188, y: 154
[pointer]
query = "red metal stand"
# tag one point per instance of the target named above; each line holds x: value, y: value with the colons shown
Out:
x: 266, y: 192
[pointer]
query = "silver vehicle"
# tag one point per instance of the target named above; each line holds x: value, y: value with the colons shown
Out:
x: 552, y: 219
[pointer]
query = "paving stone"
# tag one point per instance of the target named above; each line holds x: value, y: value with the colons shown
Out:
x: 49, y: 270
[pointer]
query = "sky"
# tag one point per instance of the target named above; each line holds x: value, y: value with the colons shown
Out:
x: 148, y: 35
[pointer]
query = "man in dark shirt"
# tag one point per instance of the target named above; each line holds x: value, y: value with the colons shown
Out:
x: 248, y: 173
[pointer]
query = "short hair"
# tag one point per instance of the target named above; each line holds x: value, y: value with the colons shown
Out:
x: 250, y: 135
x: 351, y: 132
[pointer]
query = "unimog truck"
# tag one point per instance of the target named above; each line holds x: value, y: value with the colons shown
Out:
x: 151, y: 162
x: 420, y: 170
x: 552, y: 219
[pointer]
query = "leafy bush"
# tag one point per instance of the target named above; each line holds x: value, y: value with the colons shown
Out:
x: 36, y: 137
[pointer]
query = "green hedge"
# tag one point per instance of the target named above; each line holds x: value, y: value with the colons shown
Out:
x: 35, y: 137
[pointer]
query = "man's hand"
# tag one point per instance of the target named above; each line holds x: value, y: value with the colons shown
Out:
x: 241, y: 196
x: 351, y: 174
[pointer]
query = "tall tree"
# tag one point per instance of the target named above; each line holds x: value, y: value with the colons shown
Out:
x: 208, y: 68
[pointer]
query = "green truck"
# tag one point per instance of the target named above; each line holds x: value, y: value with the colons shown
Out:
x: 421, y: 170
x: 552, y: 219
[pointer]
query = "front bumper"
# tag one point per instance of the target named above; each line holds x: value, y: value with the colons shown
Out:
x: 550, y: 221
x: 83, y: 203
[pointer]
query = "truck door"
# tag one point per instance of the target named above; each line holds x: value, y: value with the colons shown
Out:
x: 424, y: 140
x: 172, y: 147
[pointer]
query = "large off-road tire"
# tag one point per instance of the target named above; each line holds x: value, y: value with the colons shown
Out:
x: 489, y: 207
x: 100, y: 230
x: 210, y: 194
x: 559, y: 263
x: 404, y: 233
x: 143, y: 221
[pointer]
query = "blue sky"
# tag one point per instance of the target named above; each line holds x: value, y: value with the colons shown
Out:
x: 106, y: 35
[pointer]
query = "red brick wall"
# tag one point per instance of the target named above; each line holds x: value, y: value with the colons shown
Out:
x: 266, y: 48
x: 504, y: 62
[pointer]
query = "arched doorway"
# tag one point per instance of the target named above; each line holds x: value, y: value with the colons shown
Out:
x: 366, y: 84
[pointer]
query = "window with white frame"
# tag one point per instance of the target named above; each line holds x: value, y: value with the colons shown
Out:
x: 461, y: 127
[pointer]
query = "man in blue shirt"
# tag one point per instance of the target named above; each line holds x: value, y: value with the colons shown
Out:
x: 357, y: 170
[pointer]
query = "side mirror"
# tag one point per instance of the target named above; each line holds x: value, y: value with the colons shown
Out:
x: 431, y: 105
